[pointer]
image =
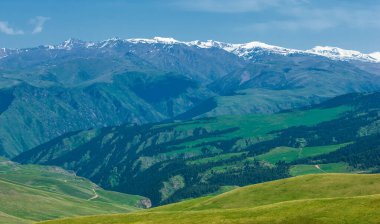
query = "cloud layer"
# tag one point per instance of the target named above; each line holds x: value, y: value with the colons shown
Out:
x: 294, y: 15
x: 38, y: 25
x: 7, y: 29
x: 235, y: 6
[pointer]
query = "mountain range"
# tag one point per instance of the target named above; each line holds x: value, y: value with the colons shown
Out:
x: 193, y: 128
x: 48, y: 91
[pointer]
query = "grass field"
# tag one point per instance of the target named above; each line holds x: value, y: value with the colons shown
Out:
x: 34, y: 193
x: 215, y: 158
x: 299, y: 170
x: 289, y: 154
x: 358, y: 210
x: 257, y: 126
x: 324, y: 198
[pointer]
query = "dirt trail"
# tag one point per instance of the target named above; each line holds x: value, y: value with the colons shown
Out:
x: 95, y: 196
x: 319, y: 168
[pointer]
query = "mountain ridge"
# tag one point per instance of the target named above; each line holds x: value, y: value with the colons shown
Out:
x: 242, y: 50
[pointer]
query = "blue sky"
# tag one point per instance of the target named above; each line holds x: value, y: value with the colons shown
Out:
x: 301, y: 24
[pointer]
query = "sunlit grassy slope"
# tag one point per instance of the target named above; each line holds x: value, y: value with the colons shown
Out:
x: 341, y: 167
x: 34, y: 193
x: 259, y: 125
x: 325, y: 198
x: 255, y: 126
x: 289, y: 154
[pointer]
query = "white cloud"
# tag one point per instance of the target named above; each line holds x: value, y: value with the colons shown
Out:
x: 292, y: 25
x: 7, y: 29
x: 292, y: 15
x: 234, y: 6
x: 38, y: 23
x: 317, y: 19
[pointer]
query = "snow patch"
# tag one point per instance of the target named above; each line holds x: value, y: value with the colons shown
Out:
x: 3, y: 53
x: 155, y: 40
x: 376, y: 56
x: 344, y: 55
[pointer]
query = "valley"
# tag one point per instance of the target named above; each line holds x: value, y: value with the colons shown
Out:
x: 169, y: 162
x: 159, y: 130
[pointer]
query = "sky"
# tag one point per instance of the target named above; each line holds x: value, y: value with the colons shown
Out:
x: 299, y: 24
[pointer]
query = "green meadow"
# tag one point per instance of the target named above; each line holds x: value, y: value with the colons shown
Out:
x: 30, y: 193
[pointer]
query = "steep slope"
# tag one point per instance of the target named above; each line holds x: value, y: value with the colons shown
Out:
x: 313, y: 199
x: 289, y: 81
x: 171, y: 161
x: 33, y: 193
x: 79, y: 87
x: 33, y: 115
x: 297, y: 72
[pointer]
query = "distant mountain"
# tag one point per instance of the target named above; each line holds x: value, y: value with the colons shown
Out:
x: 168, y: 162
x: 246, y: 50
x: 48, y: 91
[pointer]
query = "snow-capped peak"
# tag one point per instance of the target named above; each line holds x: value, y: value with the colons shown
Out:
x: 248, y: 49
x: 111, y: 42
x: 70, y: 44
x: 342, y: 54
x: 376, y: 56
x: 166, y: 40
x: 243, y: 50
x: 207, y: 44
x: 155, y: 40
x: 256, y: 44
x: 3, y: 52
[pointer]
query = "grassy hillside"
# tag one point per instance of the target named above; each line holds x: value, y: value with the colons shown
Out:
x: 179, y: 160
x: 327, y: 198
x: 296, y: 188
x: 34, y: 193
x: 289, y: 154
x: 302, y: 169
x: 358, y: 210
